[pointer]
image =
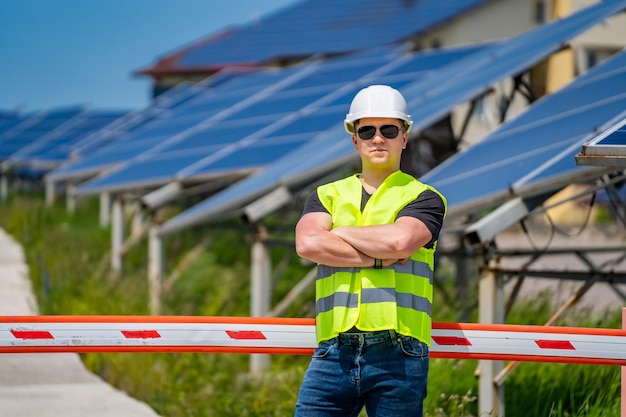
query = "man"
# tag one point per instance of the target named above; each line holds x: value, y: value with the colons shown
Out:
x: 373, y: 236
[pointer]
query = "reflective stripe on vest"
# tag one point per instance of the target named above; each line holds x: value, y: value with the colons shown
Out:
x: 397, y: 297
x: 411, y: 266
x: 374, y: 295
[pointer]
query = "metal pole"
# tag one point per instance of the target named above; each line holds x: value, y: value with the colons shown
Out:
x: 260, y: 292
x: 462, y: 284
x: 50, y: 193
x: 155, y: 269
x: 4, y: 187
x: 70, y: 199
x: 105, y: 209
x: 490, y: 311
x: 117, y: 235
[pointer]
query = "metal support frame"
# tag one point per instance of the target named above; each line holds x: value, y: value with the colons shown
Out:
x: 155, y: 268
x: 50, y: 193
x: 4, y: 187
x: 490, y: 311
x: 117, y: 234
x: 267, y: 204
x: 260, y: 291
x: 70, y: 198
x: 163, y: 195
x: 105, y: 209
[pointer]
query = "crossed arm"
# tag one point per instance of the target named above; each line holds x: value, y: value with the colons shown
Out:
x: 358, y: 246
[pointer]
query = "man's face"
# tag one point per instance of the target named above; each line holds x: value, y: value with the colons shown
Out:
x: 382, y: 149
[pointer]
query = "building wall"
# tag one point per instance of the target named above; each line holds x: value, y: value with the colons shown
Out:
x: 500, y: 19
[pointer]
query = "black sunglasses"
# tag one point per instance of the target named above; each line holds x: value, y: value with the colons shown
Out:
x: 388, y: 131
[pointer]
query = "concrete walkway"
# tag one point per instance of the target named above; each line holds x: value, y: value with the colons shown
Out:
x: 49, y: 384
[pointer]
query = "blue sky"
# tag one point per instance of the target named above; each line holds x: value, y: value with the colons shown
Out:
x: 56, y: 53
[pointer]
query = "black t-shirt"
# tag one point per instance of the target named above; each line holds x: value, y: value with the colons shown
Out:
x: 427, y: 207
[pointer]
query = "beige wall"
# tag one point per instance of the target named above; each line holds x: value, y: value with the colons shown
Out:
x: 500, y: 19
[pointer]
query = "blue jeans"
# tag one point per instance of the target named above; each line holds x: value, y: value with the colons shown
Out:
x: 383, y: 371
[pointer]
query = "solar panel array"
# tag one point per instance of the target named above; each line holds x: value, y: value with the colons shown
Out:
x: 98, y: 151
x: 318, y: 27
x: 54, y: 146
x: 242, y: 125
x: 429, y: 99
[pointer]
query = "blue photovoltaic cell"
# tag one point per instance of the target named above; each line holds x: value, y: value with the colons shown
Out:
x: 257, y: 154
x: 100, y: 160
x: 614, y: 137
x: 221, y: 137
x: 287, y: 110
x: 155, y: 171
x: 429, y: 99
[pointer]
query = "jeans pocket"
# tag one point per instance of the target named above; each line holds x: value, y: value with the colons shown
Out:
x: 324, y: 348
x: 413, y: 347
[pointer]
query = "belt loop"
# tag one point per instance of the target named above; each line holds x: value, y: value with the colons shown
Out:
x: 394, y: 338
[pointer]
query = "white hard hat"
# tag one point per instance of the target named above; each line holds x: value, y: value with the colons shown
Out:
x: 377, y: 101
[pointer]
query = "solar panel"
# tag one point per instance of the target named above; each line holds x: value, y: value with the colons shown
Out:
x: 9, y: 121
x: 536, y: 147
x: 33, y: 128
x: 298, y: 104
x: 53, y: 147
x: 428, y: 99
x: 99, y: 143
x: 330, y: 27
x: 165, y: 129
x: 607, y: 149
x: 132, y: 120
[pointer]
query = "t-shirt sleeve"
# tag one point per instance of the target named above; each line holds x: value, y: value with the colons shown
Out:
x: 313, y: 204
x: 429, y: 208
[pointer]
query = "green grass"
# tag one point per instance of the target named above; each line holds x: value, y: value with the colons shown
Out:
x: 69, y: 267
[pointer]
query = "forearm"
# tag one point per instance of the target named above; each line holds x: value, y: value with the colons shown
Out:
x: 327, y: 248
x: 388, y: 241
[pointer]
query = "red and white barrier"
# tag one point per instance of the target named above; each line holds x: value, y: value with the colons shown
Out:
x: 28, y: 334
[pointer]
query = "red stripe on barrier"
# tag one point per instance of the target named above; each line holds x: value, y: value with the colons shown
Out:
x: 246, y: 335
x: 141, y: 334
x: 32, y: 334
x: 555, y: 344
x: 161, y: 349
x: 525, y: 328
x: 528, y: 358
x: 451, y: 341
x: 160, y: 319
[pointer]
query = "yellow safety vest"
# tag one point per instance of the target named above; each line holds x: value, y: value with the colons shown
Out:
x: 397, y: 297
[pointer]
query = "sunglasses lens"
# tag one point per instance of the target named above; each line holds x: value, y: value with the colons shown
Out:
x: 389, y: 131
x: 366, y: 132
